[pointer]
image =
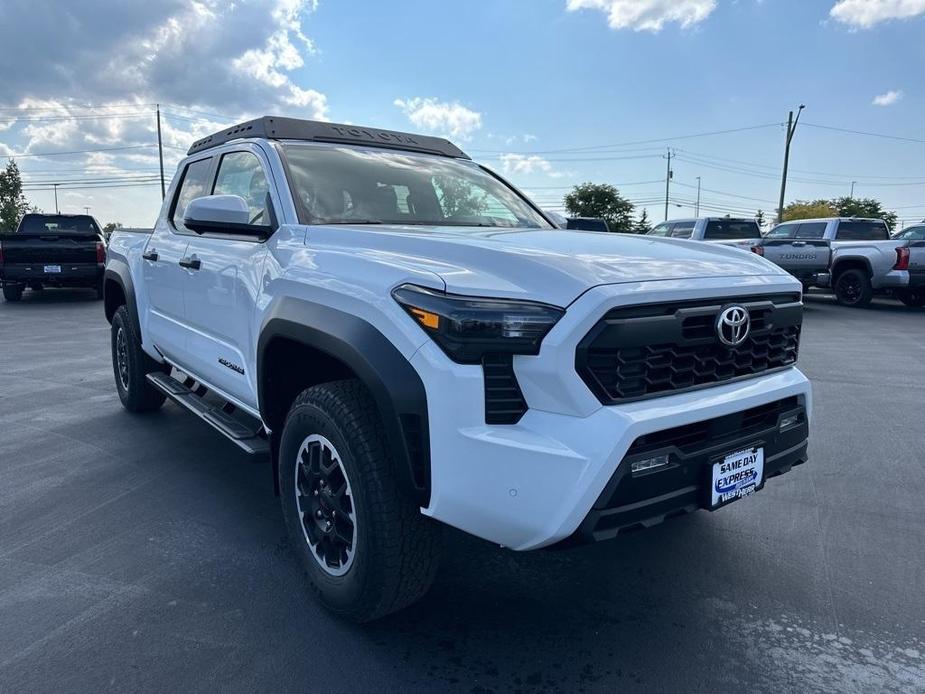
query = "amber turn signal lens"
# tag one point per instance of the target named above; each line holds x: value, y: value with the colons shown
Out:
x: 426, y: 318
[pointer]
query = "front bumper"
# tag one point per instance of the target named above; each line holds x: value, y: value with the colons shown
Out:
x: 534, y: 484
x: 71, y: 275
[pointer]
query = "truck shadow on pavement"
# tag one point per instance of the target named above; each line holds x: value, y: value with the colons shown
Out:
x: 53, y: 296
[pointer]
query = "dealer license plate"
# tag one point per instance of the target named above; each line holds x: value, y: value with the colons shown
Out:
x: 52, y: 268
x: 736, y: 475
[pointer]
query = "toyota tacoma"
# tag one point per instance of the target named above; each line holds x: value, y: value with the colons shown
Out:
x: 410, y: 341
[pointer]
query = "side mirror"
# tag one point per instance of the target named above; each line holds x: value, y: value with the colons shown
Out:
x: 222, y: 214
x: 587, y: 224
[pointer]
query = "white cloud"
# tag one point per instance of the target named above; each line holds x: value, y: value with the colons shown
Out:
x: 452, y: 119
x: 528, y: 164
x: 889, y: 98
x: 648, y: 15
x: 864, y: 14
x: 233, y: 57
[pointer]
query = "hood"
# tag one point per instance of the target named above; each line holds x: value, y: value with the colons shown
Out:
x: 550, y: 265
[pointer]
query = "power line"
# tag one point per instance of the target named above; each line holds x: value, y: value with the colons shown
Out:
x: 77, y: 151
x: 862, y: 132
x: 636, y: 142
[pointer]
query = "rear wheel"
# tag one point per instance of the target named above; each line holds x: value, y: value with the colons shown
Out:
x: 852, y: 288
x: 362, y: 539
x: 131, y: 365
x: 913, y: 297
x: 12, y: 293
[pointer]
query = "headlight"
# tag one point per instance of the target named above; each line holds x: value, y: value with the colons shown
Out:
x: 468, y: 327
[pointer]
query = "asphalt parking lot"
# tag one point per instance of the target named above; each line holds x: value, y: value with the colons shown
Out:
x: 148, y: 553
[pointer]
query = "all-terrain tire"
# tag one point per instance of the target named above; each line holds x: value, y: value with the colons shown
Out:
x: 131, y: 365
x: 394, y: 555
x: 12, y: 293
x: 852, y: 288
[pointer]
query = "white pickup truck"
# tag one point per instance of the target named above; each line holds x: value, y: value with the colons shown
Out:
x: 855, y: 256
x: 727, y: 231
x: 408, y: 339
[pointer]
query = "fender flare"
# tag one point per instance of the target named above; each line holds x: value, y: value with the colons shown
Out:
x: 394, y: 384
x: 118, y: 271
x: 863, y: 260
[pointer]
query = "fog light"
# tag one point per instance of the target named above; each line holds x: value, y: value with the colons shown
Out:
x: 649, y: 464
x: 789, y: 422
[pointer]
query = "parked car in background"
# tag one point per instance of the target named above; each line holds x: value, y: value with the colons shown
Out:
x: 863, y: 258
x: 913, y: 233
x: 52, y: 250
x: 311, y: 293
x: 728, y: 231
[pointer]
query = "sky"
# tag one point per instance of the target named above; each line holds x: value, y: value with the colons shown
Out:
x: 550, y: 93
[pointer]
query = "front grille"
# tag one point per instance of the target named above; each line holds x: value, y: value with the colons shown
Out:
x: 641, y: 351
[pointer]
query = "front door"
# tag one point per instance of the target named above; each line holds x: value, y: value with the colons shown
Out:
x: 222, y: 285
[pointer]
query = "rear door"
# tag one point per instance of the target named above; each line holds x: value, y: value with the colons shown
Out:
x: 163, y: 277
x: 798, y: 247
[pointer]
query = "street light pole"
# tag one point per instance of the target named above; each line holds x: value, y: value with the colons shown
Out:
x: 667, y: 183
x: 697, y: 209
x: 852, y: 190
x: 791, y: 129
x: 160, y: 149
x: 57, y: 211
x: 87, y: 209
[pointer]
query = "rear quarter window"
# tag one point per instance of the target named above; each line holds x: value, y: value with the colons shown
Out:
x: 682, y: 230
x: 862, y: 231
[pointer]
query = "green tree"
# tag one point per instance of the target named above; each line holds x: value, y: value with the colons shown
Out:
x: 863, y: 207
x: 604, y: 201
x: 13, y: 203
x: 642, y: 225
x: 802, y: 209
x: 458, y: 198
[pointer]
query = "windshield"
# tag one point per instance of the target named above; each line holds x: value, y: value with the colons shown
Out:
x: 53, y: 223
x: 343, y: 185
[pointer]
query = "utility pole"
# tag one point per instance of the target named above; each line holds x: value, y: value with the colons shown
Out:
x: 697, y: 209
x: 57, y: 211
x: 852, y: 190
x: 160, y: 150
x: 87, y: 209
x: 667, y: 183
x: 791, y: 129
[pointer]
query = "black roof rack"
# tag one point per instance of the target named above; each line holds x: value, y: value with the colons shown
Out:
x: 276, y: 128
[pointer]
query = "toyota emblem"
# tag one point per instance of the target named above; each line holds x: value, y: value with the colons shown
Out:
x: 733, y: 325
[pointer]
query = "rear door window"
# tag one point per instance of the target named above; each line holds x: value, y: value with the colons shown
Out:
x: 862, y: 231
x: 783, y: 231
x: 682, y: 230
x: 194, y: 185
x: 725, y: 229
x: 811, y: 230
x: 661, y: 230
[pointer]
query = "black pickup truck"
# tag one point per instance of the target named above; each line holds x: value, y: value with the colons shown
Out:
x: 52, y: 250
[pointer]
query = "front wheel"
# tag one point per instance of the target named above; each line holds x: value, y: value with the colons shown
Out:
x: 362, y: 539
x: 852, y: 288
x: 131, y: 365
x: 12, y: 293
x: 913, y: 297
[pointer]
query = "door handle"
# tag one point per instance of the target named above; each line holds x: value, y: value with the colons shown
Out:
x: 150, y: 255
x: 190, y: 263
x: 799, y: 243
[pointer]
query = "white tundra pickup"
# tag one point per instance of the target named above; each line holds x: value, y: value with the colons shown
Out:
x: 408, y: 339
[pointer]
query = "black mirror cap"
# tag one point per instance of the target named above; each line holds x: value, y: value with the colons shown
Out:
x: 203, y: 227
x: 587, y: 224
